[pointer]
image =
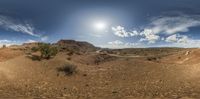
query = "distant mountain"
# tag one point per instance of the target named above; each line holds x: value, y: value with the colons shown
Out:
x: 30, y: 45
x: 63, y: 45
x: 75, y: 45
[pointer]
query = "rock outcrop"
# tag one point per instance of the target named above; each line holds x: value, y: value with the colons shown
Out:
x: 72, y: 45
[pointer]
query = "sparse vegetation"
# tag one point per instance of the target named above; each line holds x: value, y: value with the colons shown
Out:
x: 4, y: 46
x: 151, y: 58
x: 68, y: 69
x: 154, y: 58
x: 35, y: 58
x: 125, y: 53
x: 34, y: 49
x: 47, y: 51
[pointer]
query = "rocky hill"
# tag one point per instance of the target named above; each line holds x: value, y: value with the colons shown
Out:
x: 72, y: 45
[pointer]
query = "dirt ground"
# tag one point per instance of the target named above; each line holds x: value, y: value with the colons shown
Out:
x: 171, y: 76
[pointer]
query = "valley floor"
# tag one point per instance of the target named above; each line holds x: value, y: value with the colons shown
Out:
x: 118, y: 78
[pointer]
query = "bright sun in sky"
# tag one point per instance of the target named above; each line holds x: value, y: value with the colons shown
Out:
x: 100, y: 26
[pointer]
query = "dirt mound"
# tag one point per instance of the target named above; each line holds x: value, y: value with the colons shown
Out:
x: 188, y: 57
x: 8, y: 53
x: 30, y: 45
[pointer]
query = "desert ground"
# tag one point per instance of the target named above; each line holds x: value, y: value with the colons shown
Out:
x: 135, y: 73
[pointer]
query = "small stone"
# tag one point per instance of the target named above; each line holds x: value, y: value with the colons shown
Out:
x: 114, y: 92
x: 84, y: 74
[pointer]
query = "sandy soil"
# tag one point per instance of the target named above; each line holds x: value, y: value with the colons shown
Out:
x: 114, y: 78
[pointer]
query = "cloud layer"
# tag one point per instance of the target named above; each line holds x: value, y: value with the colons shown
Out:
x: 164, y: 28
x: 176, y: 38
x: 7, y: 42
x: 121, y: 44
x: 12, y: 24
x: 172, y: 25
x: 121, y: 32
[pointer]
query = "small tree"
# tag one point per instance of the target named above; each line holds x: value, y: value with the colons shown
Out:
x: 4, y: 46
x: 54, y: 51
x: 47, y: 51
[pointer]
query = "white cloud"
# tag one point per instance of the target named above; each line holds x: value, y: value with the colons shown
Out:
x: 176, y: 38
x: 7, y: 42
x: 120, y: 44
x: 169, y: 26
x: 162, y: 26
x: 128, y: 44
x: 30, y: 41
x: 16, y: 25
x: 44, y: 38
x: 121, y: 32
x: 172, y: 25
x: 172, y: 38
x: 183, y: 39
x: 149, y: 36
x: 117, y: 42
x: 134, y: 33
x: 191, y: 43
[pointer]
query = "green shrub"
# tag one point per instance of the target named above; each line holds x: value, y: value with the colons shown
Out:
x: 151, y: 58
x: 47, y: 51
x: 34, y: 49
x: 35, y: 58
x: 4, y: 46
x: 68, y: 69
x: 54, y: 51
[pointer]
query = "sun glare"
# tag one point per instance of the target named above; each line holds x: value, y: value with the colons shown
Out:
x: 100, y: 25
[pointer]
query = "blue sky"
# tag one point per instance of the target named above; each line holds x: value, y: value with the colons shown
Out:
x: 104, y: 23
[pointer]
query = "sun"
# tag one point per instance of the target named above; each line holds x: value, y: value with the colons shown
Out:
x: 100, y: 25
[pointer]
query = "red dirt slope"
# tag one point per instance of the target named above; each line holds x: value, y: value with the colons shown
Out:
x: 7, y: 53
x: 187, y: 57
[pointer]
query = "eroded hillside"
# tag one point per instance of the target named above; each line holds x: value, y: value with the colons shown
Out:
x: 100, y: 74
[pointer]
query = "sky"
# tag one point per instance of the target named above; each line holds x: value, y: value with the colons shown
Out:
x: 104, y: 23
